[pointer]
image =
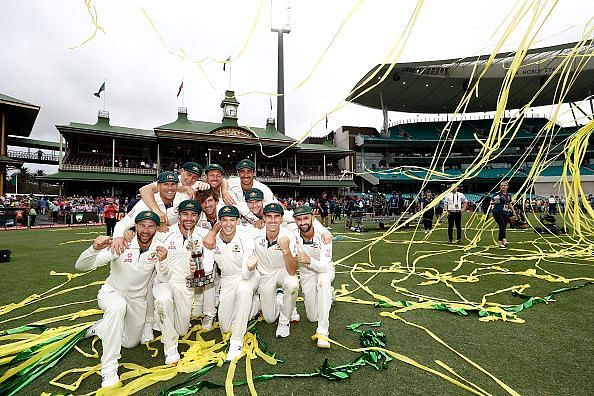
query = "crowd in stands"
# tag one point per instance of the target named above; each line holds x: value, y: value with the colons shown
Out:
x: 95, y: 159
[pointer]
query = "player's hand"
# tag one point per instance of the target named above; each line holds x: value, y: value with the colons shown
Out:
x: 303, y: 258
x: 202, y: 186
x: 227, y: 198
x: 252, y: 263
x: 162, y: 218
x: 101, y: 242
x: 259, y: 224
x: 118, y: 245
x: 209, y: 241
x: 327, y: 238
x: 129, y: 235
x: 190, y: 191
x: 283, y: 242
x: 161, y: 253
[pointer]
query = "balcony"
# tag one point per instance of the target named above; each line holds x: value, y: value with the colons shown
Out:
x: 108, y: 169
x: 33, y: 156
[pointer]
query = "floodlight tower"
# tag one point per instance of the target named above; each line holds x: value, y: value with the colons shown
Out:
x: 279, y: 23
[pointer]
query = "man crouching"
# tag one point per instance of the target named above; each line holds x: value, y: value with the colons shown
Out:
x: 123, y: 296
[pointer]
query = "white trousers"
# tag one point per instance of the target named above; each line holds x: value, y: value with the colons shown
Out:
x: 122, y: 323
x: 267, y: 290
x: 173, y: 307
x: 235, y: 305
x: 317, y: 297
x: 210, y: 296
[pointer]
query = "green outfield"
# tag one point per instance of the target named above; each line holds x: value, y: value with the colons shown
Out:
x: 551, y: 353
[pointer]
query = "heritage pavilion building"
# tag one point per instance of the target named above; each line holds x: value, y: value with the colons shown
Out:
x: 104, y: 159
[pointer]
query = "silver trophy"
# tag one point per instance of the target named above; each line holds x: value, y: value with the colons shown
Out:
x: 199, y: 278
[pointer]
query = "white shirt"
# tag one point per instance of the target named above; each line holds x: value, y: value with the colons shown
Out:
x: 127, y: 221
x: 203, y: 221
x: 320, y: 253
x: 454, y: 202
x: 178, y: 254
x: 232, y: 257
x: 131, y: 271
x: 238, y: 195
x: 270, y: 257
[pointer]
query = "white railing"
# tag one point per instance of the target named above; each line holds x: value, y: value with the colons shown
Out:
x: 348, y: 176
x: 108, y: 169
x: 279, y: 179
x: 297, y: 180
x: 27, y: 155
x: 462, y: 117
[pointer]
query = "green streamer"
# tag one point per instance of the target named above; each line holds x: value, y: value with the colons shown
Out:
x: 367, y: 338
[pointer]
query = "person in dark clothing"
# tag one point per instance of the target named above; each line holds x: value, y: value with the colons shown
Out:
x: 502, y: 211
x: 485, y: 203
x: 133, y: 202
x: 428, y: 213
x: 110, y: 213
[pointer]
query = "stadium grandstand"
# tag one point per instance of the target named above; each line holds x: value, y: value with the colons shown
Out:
x: 448, y: 142
x: 103, y: 159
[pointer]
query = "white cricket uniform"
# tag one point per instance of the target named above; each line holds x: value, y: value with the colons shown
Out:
x: 123, y: 296
x: 173, y: 300
x: 454, y: 201
x: 208, y: 298
x: 273, y: 273
x: 127, y: 222
x: 316, y: 279
x: 237, y: 193
x: 238, y: 285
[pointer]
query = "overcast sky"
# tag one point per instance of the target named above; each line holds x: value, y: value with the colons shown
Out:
x: 40, y: 65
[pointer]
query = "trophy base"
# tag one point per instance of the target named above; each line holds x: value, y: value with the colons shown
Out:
x: 201, y: 281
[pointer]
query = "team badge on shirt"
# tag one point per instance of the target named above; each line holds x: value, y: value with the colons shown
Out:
x: 236, y: 249
x: 153, y: 257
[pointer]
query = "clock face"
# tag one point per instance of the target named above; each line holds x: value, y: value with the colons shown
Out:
x: 230, y: 111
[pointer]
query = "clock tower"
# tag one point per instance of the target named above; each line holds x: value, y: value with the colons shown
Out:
x: 229, y: 106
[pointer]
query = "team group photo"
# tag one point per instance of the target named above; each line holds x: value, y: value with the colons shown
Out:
x: 278, y: 197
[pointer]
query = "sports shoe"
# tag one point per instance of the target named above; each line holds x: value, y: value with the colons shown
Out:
x: 295, y: 316
x: 110, y: 379
x: 502, y: 246
x: 147, y: 334
x: 172, y: 358
x: 283, y: 330
x: 457, y: 241
x: 322, y: 343
x: 92, y: 331
x: 207, y: 322
x: 234, y: 351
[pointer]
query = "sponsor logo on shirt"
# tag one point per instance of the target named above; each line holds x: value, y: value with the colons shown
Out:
x: 128, y: 258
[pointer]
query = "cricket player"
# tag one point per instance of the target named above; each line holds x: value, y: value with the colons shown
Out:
x: 314, y: 256
x: 234, y: 247
x: 234, y: 188
x: 173, y: 299
x: 168, y: 199
x: 275, y: 249
x: 123, y: 296
x: 189, y: 182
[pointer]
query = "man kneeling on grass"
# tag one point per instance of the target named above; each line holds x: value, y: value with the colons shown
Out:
x: 123, y: 296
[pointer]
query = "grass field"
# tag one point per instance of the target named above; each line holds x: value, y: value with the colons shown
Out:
x: 550, y: 354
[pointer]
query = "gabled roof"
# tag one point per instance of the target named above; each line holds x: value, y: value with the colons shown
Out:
x: 32, y: 143
x: 22, y: 115
x: 322, y: 148
x: 97, y: 176
x: 102, y: 125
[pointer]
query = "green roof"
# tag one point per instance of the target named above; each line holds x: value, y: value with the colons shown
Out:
x: 32, y: 143
x: 9, y: 161
x: 98, y: 176
x: 103, y: 126
x: 183, y: 124
x: 5, y: 99
x: 20, y: 115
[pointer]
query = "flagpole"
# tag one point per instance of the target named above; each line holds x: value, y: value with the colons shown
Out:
x: 230, y: 75
x: 183, y: 93
x: 104, y: 93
